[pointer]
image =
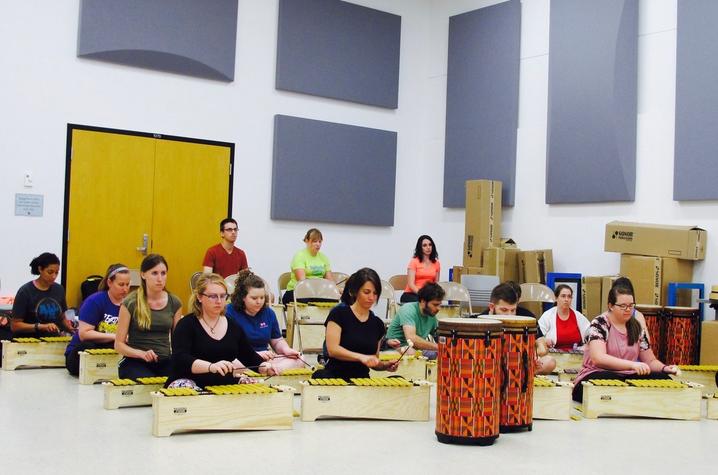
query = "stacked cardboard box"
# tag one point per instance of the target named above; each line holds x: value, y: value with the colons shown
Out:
x: 654, y: 255
x: 534, y: 265
x: 482, y: 228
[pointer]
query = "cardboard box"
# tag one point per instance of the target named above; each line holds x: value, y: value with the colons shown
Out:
x: 681, y: 242
x: 458, y: 271
x: 709, y: 343
x: 606, y: 284
x: 534, y: 265
x: 501, y: 262
x: 508, y: 243
x: 483, y: 219
x: 650, y: 276
x: 592, y: 304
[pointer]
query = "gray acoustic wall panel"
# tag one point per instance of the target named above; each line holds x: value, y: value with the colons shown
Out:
x: 593, y: 74
x: 191, y: 37
x: 695, y: 174
x: 335, y: 173
x: 339, y: 50
x: 482, y: 100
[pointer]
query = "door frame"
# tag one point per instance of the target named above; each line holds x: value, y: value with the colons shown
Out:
x: 68, y: 166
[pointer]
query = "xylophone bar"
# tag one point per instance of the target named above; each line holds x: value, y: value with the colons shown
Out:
x: 701, y: 374
x: 398, y: 400
x: 661, y: 398
x: 552, y: 400
x: 97, y: 365
x: 129, y: 393
x: 290, y: 378
x: 255, y: 408
x: 48, y: 352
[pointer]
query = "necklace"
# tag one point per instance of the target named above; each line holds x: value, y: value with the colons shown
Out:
x: 211, y: 327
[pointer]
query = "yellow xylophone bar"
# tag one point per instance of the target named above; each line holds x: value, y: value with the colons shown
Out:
x: 240, y: 389
x: 395, y: 356
x: 179, y: 392
x: 699, y: 367
x: 130, y: 382
x: 542, y: 382
x: 381, y: 382
x: 640, y: 383
x: 100, y: 351
x: 327, y: 382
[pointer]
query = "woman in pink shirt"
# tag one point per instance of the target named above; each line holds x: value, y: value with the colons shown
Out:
x: 618, y: 346
x: 423, y: 268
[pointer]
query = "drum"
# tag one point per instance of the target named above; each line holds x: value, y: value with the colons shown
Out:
x: 656, y: 328
x: 518, y: 355
x: 681, y: 339
x: 467, y: 406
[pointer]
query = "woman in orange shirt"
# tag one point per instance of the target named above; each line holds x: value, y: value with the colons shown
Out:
x: 423, y: 268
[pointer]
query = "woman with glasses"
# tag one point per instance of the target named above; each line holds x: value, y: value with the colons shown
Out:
x: 146, y: 319
x: 563, y: 327
x: 249, y: 309
x: 207, y: 347
x: 618, y: 346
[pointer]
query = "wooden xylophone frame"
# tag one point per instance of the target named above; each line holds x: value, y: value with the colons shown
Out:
x: 40, y: 354
x: 552, y: 402
x: 134, y: 395
x: 661, y: 403
x: 273, y: 411
x: 566, y: 359
x: 410, y: 403
x: 96, y: 368
x: 410, y: 368
x: 705, y: 375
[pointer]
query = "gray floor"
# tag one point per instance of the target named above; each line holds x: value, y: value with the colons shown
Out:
x: 51, y: 424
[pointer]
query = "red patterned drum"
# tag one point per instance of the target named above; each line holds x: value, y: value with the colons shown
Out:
x: 518, y: 355
x: 467, y: 406
x: 682, y: 325
x: 656, y: 328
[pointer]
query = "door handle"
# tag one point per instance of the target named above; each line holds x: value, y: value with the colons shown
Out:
x: 145, y: 242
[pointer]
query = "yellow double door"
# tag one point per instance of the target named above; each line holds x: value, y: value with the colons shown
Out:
x: 132, y: 195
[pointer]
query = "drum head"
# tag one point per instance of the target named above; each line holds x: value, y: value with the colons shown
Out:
x: 652, y: 309
x: 682, y: 311
x: 514, y: 321
x: 469, y: 325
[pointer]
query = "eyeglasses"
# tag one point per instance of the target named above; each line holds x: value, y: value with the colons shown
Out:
x: 216, y: 297
x: 626, y: 306
x: 230, y: 230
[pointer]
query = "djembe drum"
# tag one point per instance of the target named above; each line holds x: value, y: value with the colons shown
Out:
x: 467, y: 407
x: 656, y: 328
x: 682, y: 325
x: 518, y: 356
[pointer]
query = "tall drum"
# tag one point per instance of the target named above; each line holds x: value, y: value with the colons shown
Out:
x: 518, y: 356
x: 682, y: 325
x: 467, y: 406
x: 656, y: 328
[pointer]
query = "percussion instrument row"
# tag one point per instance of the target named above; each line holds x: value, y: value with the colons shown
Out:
x: 673, y: 332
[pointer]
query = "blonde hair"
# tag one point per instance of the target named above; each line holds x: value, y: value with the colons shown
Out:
x: 143, y: 313
x: 202, y: 283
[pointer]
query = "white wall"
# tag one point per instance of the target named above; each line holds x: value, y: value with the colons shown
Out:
x: 44, y: 86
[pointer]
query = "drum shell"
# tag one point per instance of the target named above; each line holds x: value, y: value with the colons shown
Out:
x: 656, y: 326
x: 518, y: 355
x: 468, y: 379
x: 681, y: 337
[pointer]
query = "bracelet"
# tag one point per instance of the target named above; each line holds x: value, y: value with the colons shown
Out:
x: 209, y: 368
x: 663, y: 370
x: 37, y: 326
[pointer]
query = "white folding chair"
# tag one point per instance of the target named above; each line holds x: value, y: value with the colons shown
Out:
x: 457, y: 293
x: 313, y: 339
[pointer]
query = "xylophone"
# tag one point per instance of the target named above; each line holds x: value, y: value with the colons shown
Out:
x: 410, y: 367
x: 659, y: 398
x: 702, y: 374
x: 432, y: 369
x: 131, y: 393
x: 46, y: 352
x: 366, y: 398
x: 98, y: 364
x: 227, y: 407
x: 307, y: 324
x: 712, y: 406
x: 552, y: 400
x: 566, y: 359
x: 288, y: 377
x: 567, y: 374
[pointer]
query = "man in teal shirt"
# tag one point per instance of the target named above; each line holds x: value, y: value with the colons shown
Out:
x: 417, y: 320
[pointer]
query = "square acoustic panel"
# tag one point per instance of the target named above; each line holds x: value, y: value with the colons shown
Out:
x: 190, y: 37
x: 482, y: 100
x: 339, y: 50
x: 333, y: 173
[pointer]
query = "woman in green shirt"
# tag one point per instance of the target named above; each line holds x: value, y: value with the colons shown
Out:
x: 309, y: 263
